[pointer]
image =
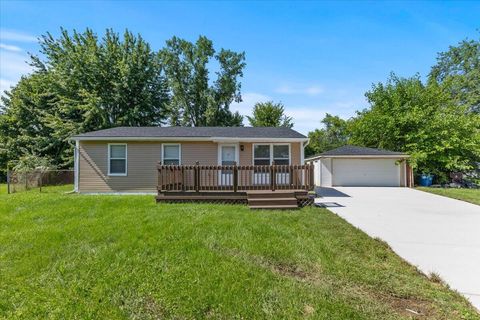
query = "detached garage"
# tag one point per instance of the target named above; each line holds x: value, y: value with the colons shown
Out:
x: 351, y: 166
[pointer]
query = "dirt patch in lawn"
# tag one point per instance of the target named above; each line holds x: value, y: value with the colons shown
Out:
x: 281, y: 268
x: 412, y: 307
x: 287, y: 270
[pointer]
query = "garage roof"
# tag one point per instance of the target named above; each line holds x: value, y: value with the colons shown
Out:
x: 355, y: 151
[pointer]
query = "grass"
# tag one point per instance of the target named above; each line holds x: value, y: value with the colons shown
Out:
x: 45, y: 189
x: 469, y: 195
x: 117, y: 257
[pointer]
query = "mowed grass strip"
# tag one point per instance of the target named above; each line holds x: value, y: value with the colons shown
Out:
x: 468, y: 195
x: 119, y: 257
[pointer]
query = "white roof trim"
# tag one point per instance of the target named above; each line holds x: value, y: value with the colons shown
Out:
x: 391, y: 156
x: 214, y: 139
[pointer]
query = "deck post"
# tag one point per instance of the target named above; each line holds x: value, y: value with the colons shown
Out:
x: 196, y: 179
x: 272, y: 176
x: 290, y: 176
x: 235, y: 177
x: 183, y: 178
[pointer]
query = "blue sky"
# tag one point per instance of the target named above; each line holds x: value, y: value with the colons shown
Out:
x: 315, y: 57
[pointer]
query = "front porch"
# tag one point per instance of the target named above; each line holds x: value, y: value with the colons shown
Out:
x: 260, y: 186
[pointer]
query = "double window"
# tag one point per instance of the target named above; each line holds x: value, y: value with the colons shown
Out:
x: 117, y: 159
x: 171, y: 153
x: 261, y: 154
x: 266, y: 154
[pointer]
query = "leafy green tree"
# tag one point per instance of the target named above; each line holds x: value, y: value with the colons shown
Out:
x: 196, y: 101
x: 31, y: 162
x: 421, y: 120
x: 23, y: 126
x: 269, y: 114
x: 81, y: 83
x: 104, y: 82
x: 333, y: 135
x: 458, y: 69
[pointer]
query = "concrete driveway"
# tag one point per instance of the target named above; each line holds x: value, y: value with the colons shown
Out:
x: 435, y: 233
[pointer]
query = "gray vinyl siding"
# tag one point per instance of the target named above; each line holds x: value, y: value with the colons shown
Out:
x: 142, y: 160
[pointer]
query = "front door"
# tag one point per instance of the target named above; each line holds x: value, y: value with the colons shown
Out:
x: 228, y: 157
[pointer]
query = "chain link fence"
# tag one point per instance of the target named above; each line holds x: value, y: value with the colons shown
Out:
x: 23, y: 181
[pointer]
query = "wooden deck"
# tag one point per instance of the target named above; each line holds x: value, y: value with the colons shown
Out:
x: 261, y: 187
x: 255, y: 199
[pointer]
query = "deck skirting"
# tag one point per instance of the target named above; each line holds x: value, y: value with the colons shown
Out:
x: 300, y: 198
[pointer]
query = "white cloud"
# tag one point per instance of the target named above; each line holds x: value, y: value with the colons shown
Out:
x: 248, y: 101
x: 305, y: 118
x: 13, y: 65
x: 311, y: 90
x: 13, y: 58
x: 5, y: 85
x: 9, y: 47
x: 16, y: 36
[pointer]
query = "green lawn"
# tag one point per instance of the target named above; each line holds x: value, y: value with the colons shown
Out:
x: 47, y: 189
x: 469, y: 195
x: 117, y: 257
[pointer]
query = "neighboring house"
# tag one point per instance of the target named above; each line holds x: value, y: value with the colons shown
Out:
x: 360, y: 166
x: 125, y: 159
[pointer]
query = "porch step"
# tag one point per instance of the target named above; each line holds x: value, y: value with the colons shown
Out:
x: 271, y: 201
x: 275, y: 207
x: 263, y: 194
x: 267, y: 199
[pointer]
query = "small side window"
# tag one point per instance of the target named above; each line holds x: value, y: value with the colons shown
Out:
x: 171, y: 154
x: 117, y: 159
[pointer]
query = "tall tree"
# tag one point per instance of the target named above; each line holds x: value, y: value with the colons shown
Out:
x: 23, y: 125
x: 421, y: 120
x: 269, y: 114
x: 333, y: 134
x: 81, y: 83
x: 458, y: 69
x: 196, y: 101
x: 105, y: 82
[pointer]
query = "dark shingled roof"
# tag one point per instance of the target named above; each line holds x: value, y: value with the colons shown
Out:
x: 207, y: 132
x: 358, y: 151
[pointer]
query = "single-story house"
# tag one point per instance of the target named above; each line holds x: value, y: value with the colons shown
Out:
x: 360, y: 166
x: 125, y: 159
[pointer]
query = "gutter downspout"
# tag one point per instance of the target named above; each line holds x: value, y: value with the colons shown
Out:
x: 302, y: 157
x: 76, y: 165
x: 302, y: 154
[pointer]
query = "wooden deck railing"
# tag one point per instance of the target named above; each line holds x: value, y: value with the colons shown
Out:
x: 234, y: 178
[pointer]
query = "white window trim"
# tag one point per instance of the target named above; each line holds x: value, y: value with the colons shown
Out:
x: 126, y: 160
x: 219, y: 154
x: 179, y: 152
x: 271, y: 151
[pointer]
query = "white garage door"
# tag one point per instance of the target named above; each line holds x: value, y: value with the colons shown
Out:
x: 366, y: 172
